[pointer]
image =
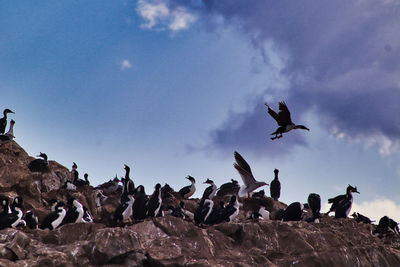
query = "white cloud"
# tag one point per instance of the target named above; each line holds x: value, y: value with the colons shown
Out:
x: 125, y: 64
x: 158, y: 16
x: 375, y: 209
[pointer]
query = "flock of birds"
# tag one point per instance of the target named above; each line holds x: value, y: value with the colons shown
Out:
x: 135, y: 205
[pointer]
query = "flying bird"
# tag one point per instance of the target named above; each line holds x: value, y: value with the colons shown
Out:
x: 250, y: 183
x: 284, y: 121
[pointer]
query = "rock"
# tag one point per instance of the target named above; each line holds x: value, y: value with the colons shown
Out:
x: 170, y: 241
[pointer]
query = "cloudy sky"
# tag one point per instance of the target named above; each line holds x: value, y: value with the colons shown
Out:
x: 173, y: 88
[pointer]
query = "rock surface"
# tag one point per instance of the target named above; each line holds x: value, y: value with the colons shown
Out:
x: 170, y: 241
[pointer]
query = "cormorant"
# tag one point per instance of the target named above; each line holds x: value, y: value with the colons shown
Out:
x: 275, y: 188
x: 3, y: 121
x: 284, y: 121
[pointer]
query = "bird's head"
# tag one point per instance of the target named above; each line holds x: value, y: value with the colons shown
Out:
x: 352, y: 189
x: 126, y: 167
x: 12, y: 122
x: 208, y: 181
x: 276, y: 171
x: 42, y: 155
x: 157, y: 187
x: 6, y: 111
x: 234, y: 181
x: 190, y: 178
x: 74, y: 166
x: 301, y: 127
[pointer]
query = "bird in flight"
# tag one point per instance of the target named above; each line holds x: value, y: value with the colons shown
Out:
x: 284, y: 121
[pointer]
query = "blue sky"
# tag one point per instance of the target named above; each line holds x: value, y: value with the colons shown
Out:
x: 173, y: 88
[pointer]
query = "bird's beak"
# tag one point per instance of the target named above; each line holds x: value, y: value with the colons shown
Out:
x: 357, y: 192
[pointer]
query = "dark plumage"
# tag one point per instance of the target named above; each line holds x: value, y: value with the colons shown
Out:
x: 203, y: 211
x: 75, y: 212
x: 128, y: 187
x: 80, y: 182
x: 284, y: 121
x: 155, y: 201
x: 124, y: 210
x: 342, y: 203
x: 293, y: 212
x: 314, y: 203
x: 39, y: 165
x: 167, y: 193
x: 3, y: 121
x: 230, y: 188
x: 189, y: 190
x: 14, y: 218
x: 139, y: 207
x: 31, y: 220
x: 361, y: 218
x: 210, y: 191
x: 10, y: 134
x: 275, y: 186
x: 54, y: 218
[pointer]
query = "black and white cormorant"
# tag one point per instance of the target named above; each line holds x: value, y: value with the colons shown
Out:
x: 167, y: 193
x: 293, y: 212
x: 361, y: 218
x: 69, y: 185
x: 31, y: 220
x: 124, y: 211
x: 231, y: 211
x: 230, y: 188
x: 39, y: 165
x: 275, y: 186
x: 189, y: 190
x: 155, y: 201
x: 54, y: 218
x: 139, y: 207
x: 203, y: 211
x: 5, y: 203
x: 79, y: 182
x: 14, y: 218
x: 261, y: 214
x: 341, y: 204
x: 210, y: 191
x: 128, y: 187
x: 3, y: 121
x: 10, y: 134
x: 284, y: 121
x: 250, y: 183
x: 314, y: 203
x: 74, y: 213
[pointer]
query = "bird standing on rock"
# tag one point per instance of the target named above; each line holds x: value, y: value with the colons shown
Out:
x: 284, y: 121
x: 189, y: 190
x: 39, y: 165
x: 341, y: 204
x: 3, y: 121
x: 275, y: 188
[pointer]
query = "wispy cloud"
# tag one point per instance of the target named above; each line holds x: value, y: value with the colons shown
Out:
x: 125, y: 64
x: 158, y: 16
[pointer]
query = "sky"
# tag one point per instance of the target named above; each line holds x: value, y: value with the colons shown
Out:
x: 173, y: 88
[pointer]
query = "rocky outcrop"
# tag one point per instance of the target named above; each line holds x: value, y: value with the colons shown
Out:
x: 170, y: 241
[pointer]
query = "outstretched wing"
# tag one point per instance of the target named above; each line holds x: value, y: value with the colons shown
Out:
x: 283, y: 115
x: 244, y: 169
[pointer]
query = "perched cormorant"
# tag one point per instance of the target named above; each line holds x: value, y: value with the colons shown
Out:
x: 230, y: 188
x: 189, y: 190
x: 250, y: 183
x: 5, y: 203
x: 31, y: 220
x: 231, y: 211
x: 124, y: 211
x: 275, y: 187
x: 210, y: 191
x: 262, y: 214
x: 10, y: 134
x: 80, y: 182
x: 361, y: 218
x: 314, y: 203
x: 203, y: 211
x: 293, y: 212
x: 140, y: 205
x: 75, y: 212
x: 342, y: 203
x: 128, y: 186
x: 284, y: 121
x: 39, y: 165
x: 155, y: 201
x: 69, y: 185
x: 3, y: 121
x: 259, y: 194
x: 14, y: 218
x: 167, y: 193
x: 54, y: 218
